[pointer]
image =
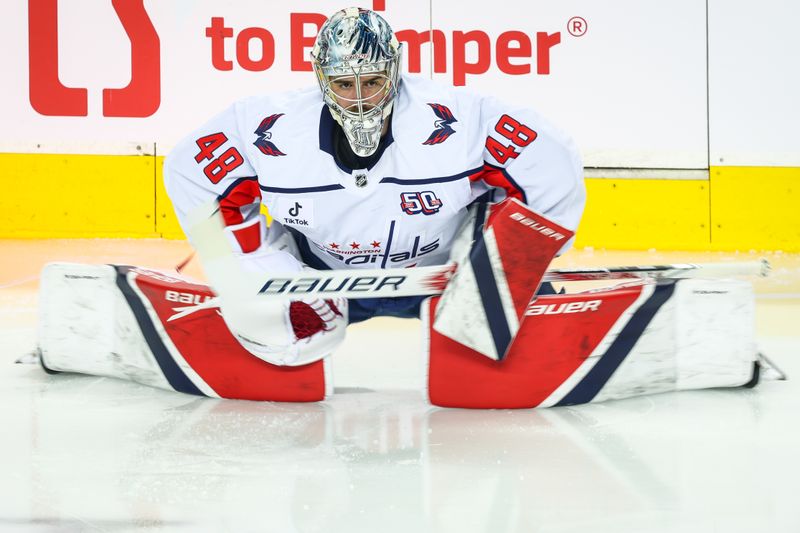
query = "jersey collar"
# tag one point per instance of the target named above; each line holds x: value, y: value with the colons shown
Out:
x: 326, y: 129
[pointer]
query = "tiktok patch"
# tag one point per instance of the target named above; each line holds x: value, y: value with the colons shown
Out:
x: 298, y: 212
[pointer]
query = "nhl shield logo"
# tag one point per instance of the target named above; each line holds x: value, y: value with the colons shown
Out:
x: 361, y: 180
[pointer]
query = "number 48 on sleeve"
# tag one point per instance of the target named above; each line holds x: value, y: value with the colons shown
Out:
x: 520, y: 136
x: 218, y: 167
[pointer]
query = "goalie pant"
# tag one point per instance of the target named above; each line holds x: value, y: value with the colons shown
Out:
x: 569, y: 349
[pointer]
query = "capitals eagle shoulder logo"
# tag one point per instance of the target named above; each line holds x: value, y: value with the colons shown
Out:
x: 263, y: 142
x: 442, y: 124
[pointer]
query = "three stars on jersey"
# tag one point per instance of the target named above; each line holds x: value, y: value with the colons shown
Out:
x: 354, y: 245
x: 356, y: 253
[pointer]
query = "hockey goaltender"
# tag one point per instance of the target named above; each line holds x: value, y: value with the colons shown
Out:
x: 459, y: 199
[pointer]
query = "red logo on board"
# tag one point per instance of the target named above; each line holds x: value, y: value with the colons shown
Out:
x: 48, y: 96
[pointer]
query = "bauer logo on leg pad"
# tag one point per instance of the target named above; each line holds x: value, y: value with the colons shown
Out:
x: 186, y: 297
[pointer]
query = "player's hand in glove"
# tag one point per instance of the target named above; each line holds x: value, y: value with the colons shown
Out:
x: 287, y: 333
x: 282, y: 332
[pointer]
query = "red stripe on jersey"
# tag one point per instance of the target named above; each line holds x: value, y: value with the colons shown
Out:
x: 497, y: 177
x: 242, y: 194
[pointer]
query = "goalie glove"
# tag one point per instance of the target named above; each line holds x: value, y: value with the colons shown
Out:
x: 287, y: 333
x: 279, y: 332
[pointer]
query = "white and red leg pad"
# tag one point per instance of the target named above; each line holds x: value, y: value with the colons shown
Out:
x: 511, y: 247
x: 600, y: 345
x: 158, y: 330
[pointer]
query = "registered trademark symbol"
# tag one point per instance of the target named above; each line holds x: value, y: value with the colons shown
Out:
x: 576, y: 26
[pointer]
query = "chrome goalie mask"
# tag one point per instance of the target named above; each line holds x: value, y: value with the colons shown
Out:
x: 357, y: 61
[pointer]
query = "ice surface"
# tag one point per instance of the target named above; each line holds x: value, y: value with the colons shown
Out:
x: 96, y: 454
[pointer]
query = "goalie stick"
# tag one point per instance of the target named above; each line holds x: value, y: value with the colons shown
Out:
x: 678, y: 270
x: 431, y: 280
x: 227, y: 276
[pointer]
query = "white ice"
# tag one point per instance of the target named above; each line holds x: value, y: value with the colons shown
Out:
x: 93, y: 454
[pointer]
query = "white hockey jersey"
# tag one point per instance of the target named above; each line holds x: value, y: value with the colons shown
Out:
x: 446, y: 147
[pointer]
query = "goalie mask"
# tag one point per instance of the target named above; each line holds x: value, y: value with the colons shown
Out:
x: 356, y: 58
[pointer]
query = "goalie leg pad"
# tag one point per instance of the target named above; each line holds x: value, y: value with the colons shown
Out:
x: 601, y: 345
x: 158, y: 330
